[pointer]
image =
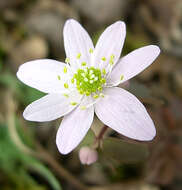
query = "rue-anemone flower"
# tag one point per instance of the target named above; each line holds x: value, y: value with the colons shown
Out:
x: 86, y: 83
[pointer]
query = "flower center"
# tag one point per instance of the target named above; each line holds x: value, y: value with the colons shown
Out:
x: 88, y: 80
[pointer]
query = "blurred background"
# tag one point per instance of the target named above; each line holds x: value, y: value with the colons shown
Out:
x: 29, y: 159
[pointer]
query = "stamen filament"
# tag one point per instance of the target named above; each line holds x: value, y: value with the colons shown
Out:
x: 78, y: 56
x: 65, y: 69
x: 103, y: 59
x: 121, y: 77
x: 73, y: 103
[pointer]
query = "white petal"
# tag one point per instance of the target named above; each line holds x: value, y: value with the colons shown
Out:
x: 133, y: 63
x: 87, y: 101
x: 73, y: 128
x: 43, y: 75
x: 50, y: 107
x: 110, y: 43
x: 124, y: 113
x: 76, y: 40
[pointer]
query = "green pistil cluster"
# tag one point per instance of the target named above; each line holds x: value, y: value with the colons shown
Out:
x: 88, y: 80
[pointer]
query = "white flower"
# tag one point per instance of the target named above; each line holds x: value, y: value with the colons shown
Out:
x: 86, y: 84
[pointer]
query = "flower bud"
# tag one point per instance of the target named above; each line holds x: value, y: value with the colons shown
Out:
x: 88, y: 155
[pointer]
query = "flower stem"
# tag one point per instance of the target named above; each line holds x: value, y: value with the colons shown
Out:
x: 101, y: 133
x: 98, y: 139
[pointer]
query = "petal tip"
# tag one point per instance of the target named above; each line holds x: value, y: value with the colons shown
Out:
x: 151, y: 135
x: 120, y: 24
x: 18, y: 74
x: 27, y: 116
x: 60, y: 148
x: 71, y: 21
x: 156, y: 49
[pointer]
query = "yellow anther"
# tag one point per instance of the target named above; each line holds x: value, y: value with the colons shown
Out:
x: 121, y: 77
x: 72, y: 80
x: 101, y: 95
x: 59, y: 78
x: 103, y: 59
x: 95, y: 96
x: 111, y: 62
x: 103, y: 71
x: 73, y: 103
x: 84, y: 63
x: 82, y: 107
x: 78, y: 56
x: 67, y: 60
x: 91, y: 50
x: 65, y: 70
x: 66, y: 85
x: 112, y: 56
x: 103, y: 80
x: 66, y: 95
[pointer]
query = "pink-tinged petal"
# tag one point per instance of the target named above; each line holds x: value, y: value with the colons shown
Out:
x: 133, y: 63
x: 109, y: 44
x: 73, y: 128
x: 51, y: 107
x: 124, y: 113
x: 76, y: 41
x: 43, y: 74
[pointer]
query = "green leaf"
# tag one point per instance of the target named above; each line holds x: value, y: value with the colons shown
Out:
x: 44, y: 171
x: 9, y: 80
x: 125, y: 152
